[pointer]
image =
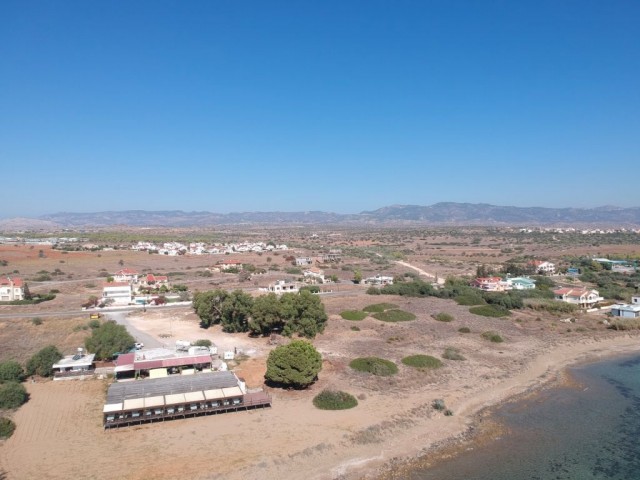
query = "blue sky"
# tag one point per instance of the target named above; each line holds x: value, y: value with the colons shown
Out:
x: 318, y: 105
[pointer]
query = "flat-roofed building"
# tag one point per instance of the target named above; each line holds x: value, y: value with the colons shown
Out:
x: 76, y: 366
x: 178, y: 397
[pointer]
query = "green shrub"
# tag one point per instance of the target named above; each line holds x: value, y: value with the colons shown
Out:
x: 394, y: 316
x: 203, y: 342
x: 373, y: 291
x: 355, y: 328
x: 464, y: 330
x: 470, y: 300
x: 452, y: 353
x: 95, y: 323
x: 625, y: 324
x: 7, y: 427
x: 334, y: 400
x: 41, y: 362
x: 379, y: 307
x: 422, y: 361
x: 490, y: 311
x: 12, y: 395
x: 375, y: 366
x: 11, y: 371
x: 36, y: 321
x: 492, y: 337
x: 354, y: 315
x: 443, y: 317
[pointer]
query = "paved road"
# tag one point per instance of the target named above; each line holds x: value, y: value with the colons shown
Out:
x: 148, y: 340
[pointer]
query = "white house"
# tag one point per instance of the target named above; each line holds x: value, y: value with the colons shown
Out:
x: 302, y: 261
x: 127, y: 275
x: 117, y: 293
x: 74, y: 366
x: 578, y: 296
x: 314, y: 275
x: 11, y: 289
x: 282, y: 286
x: 635, y: 300
x: 543, y: 267
x: 378, y: 280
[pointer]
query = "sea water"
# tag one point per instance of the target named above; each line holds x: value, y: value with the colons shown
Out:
x: 583, y: 432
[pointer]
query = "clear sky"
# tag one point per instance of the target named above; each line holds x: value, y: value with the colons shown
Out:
x: 339, y: 106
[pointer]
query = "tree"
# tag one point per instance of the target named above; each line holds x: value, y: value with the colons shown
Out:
x: 357, y: 276
x: 208, y: 306
x: 304, y: 313
x: 294, y: 365
x: 42, y: 362
x: 109, y: 339
x: 236, y: 311
x: 12, y: 395
x: 11, y: 371
x: 266, y: 315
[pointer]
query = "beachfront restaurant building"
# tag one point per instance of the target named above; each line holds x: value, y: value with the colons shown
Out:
x: 160, y: 399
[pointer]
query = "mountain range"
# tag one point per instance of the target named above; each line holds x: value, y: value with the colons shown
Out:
x: 444, y: 213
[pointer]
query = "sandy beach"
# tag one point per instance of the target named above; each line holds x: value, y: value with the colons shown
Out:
x: 60, y: 431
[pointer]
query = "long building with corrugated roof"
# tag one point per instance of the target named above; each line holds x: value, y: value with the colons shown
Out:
x: 178, y: 396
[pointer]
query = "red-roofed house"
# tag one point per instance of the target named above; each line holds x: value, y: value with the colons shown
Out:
x: 491, y: 284
x: 11, y: 289
x: 578, y: 296
x: 154, y: 281
x: 126, y: 275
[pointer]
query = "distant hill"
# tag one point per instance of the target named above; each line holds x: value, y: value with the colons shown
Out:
x: 446, y: 213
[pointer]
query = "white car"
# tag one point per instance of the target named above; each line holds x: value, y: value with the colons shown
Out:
x: 139, y: 345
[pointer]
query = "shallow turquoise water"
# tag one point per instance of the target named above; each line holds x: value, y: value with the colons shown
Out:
x: 592, y: 432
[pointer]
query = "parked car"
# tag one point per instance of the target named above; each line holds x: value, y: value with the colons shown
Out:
x: 139, y: 345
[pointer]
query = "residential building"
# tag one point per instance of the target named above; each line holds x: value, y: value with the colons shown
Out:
x: 625, y: 310
x: 127, y: 275
x: 11, y: 289
x: 117, y: 293
x: 378, y: 280
x: 521, y: 283
x: 543, y: 267
x: 314, y: 275
x: 225, y: 265
x: 153, y: 281
x: 490, y: 284
x: 283, y: 286
x: 303, y: 261
x: 578, y: 296
x: 635, y: 300
x: 75, y: 366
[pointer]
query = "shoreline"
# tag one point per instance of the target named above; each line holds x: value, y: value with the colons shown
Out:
x: 481, y: 424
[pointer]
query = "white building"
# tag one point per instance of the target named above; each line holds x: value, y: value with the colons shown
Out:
x: 378, y: 280
x: 126, y: 275
x: 282, y: 286
x: 117, y: 293
x: 314, y: 275
x: 543, y: 267
x: 11, y: 289
x: 74, y: 366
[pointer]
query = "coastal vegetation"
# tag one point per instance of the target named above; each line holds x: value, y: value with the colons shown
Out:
x: 354, y: 315
x: 422, y: 361
x: 237, y: 311
x: 394, y: 315
x: 492, y: 336
x: 295, y: 365
x: 443, y: 317
x: 334, y: 400
x: 41, y: 363
x: 375, y: 366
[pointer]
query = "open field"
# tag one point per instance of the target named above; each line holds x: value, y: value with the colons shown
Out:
x: 59, y: 429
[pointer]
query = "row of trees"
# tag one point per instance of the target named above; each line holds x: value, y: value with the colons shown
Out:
x: 238, y: 311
